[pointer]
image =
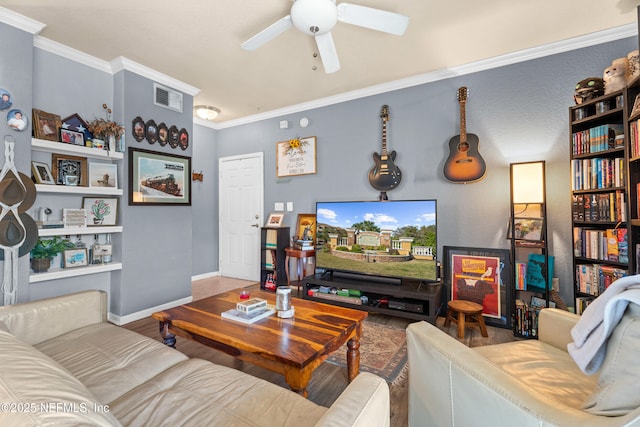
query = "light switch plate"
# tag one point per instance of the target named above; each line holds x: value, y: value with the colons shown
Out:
x: 279, y: 206
x: 284, y: 124
x: 289, y: 206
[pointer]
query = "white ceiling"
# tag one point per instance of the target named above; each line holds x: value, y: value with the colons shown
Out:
x: 198, y: 42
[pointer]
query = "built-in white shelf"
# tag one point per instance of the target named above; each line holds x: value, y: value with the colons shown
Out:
x: 76, y: 150
x: 61, y: 273
x: 74, y: 231
x: 73, y: 189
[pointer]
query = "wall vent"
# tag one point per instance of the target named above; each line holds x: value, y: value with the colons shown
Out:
x: 168, y: 98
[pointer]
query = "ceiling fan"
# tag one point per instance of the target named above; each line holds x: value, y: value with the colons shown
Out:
x: 318, y: 17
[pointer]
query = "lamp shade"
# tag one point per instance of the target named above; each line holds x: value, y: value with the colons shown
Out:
x: 527, y: 182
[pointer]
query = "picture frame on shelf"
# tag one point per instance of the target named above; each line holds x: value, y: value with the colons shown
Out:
x: 306, y: 227
x: 635, y: 111
x: 159, y: 178
x: 296, y: 156
x: 529, y: 229
x: 100, y: 251
x: 41, y: 173
x: 63, y: 165
x: 101, y: 211
x: 275, y: 220
x: 72, y: 258
x: 46, y: 125
x: 76, y: 123
x: 74, y: 218
x: 71, y: 137
x: 481, y: 275
x: 103, y: 175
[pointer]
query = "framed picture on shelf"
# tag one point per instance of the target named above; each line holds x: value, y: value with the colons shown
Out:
x: 101, y: 210
x: 306, y: 227
x: 275, y: 219
x: 74, y: 218
x: 296, y: 156
x: 635, y: 111
x: 72, y: 137
x: 103, y: 175
x: 63, y: 166
x: 528, y: 229
x: 42, y: 173
x: 46, y: 125
x: 159, y: 178
x: 76, y: 123
x: 482, y: 276
x: 75, y: 258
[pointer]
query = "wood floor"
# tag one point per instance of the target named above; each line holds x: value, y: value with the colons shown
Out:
x: 328, y: 380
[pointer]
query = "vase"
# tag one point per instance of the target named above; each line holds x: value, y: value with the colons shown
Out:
x: 97, y: 221
x: 111, y: 142
x: 40, y: 265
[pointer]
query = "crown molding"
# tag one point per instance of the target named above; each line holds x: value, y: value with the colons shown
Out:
x: 20, y: 21
x: 592, y: 39
x: 71, y: 53
x: 121, y: 63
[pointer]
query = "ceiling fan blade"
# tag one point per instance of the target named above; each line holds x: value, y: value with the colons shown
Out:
x: 269, y: 33
x: 328, y: 54
x: 375, y: 19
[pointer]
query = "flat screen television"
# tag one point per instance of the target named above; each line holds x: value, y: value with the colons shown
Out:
x: 391, y: 240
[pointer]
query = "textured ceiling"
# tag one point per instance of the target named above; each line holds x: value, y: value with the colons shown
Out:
x: 198, y: 41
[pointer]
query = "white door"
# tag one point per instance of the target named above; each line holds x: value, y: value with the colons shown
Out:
x: 241, y: 197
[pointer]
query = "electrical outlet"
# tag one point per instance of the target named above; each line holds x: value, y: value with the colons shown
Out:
x: 289, y: 206
x: 279, y: 206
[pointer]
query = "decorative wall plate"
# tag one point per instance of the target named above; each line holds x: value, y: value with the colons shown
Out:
x: 138, y: 129
x: 151, y: 131
x: 184, y: 139
x: 174, y: 136
x: 5, y: 99
x: 17, y: 120
x: 163, y: 134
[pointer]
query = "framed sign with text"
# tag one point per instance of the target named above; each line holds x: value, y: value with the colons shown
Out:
x: 296, y: 157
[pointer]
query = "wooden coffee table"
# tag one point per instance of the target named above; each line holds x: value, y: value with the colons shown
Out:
x: 292, y: 347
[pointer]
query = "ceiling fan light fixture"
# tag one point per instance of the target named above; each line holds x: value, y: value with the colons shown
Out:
x: 314, y: 17
x: 206, y: 112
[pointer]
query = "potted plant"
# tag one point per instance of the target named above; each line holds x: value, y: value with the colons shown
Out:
x: 106, y: 130
x: 44, y: 251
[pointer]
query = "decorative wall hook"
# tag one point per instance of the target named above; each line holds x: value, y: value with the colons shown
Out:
x: 197, y: 176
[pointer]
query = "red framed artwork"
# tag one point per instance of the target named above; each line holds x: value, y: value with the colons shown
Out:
x: 482, y: 276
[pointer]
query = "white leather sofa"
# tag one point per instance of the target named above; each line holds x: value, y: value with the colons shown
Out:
x: 520, y: 383
x: 63, y: 364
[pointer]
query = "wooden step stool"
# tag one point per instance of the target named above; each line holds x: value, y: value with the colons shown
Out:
x: 468, y: 314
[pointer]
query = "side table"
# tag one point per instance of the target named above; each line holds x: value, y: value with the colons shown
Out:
x: 301, y: 256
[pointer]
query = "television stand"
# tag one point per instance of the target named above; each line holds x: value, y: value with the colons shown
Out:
x: 411, y: 300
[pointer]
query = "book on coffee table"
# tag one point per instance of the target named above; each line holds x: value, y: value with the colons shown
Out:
x: 244, y: 317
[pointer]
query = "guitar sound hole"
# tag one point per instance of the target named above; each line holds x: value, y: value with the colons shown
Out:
x: 463, y: 147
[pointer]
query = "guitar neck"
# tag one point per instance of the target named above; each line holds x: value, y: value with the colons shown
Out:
x: 463, y: 121
x: 384, y: 137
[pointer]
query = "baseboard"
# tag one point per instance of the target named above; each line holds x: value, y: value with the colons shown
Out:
x: 205, y: 276
x: 123, y: 320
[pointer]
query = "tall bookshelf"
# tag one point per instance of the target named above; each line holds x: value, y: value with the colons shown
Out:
x: 274, y: 240
x: 605, y: 174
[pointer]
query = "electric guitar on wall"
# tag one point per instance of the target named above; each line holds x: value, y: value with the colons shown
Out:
x: 384, y: 175
x: 464, y: 164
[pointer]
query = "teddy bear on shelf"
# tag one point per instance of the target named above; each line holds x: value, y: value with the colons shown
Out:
x: 616, y: 75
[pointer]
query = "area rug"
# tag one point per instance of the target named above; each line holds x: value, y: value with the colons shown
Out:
x: 383, y: 351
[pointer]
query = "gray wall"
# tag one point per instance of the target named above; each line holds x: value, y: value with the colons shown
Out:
x: 16, y: 65
x: 519, y: 112
x: 205, y: 202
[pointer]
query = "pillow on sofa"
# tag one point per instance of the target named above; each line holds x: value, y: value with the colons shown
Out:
x: 618, y: 389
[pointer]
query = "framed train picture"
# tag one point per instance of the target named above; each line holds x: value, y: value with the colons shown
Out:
x: 159, y: 178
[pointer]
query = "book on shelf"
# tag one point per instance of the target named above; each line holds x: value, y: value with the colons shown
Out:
x: 593, y: 279
x: 536, y: 271
x: 271, y: 240
x: 304, y: 245
x: 251, y: 317
x: 521, y: 276
x: 599, y: 138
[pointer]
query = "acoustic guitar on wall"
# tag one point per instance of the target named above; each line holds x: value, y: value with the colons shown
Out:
x: 384, y: 175
x: 464, y: 164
